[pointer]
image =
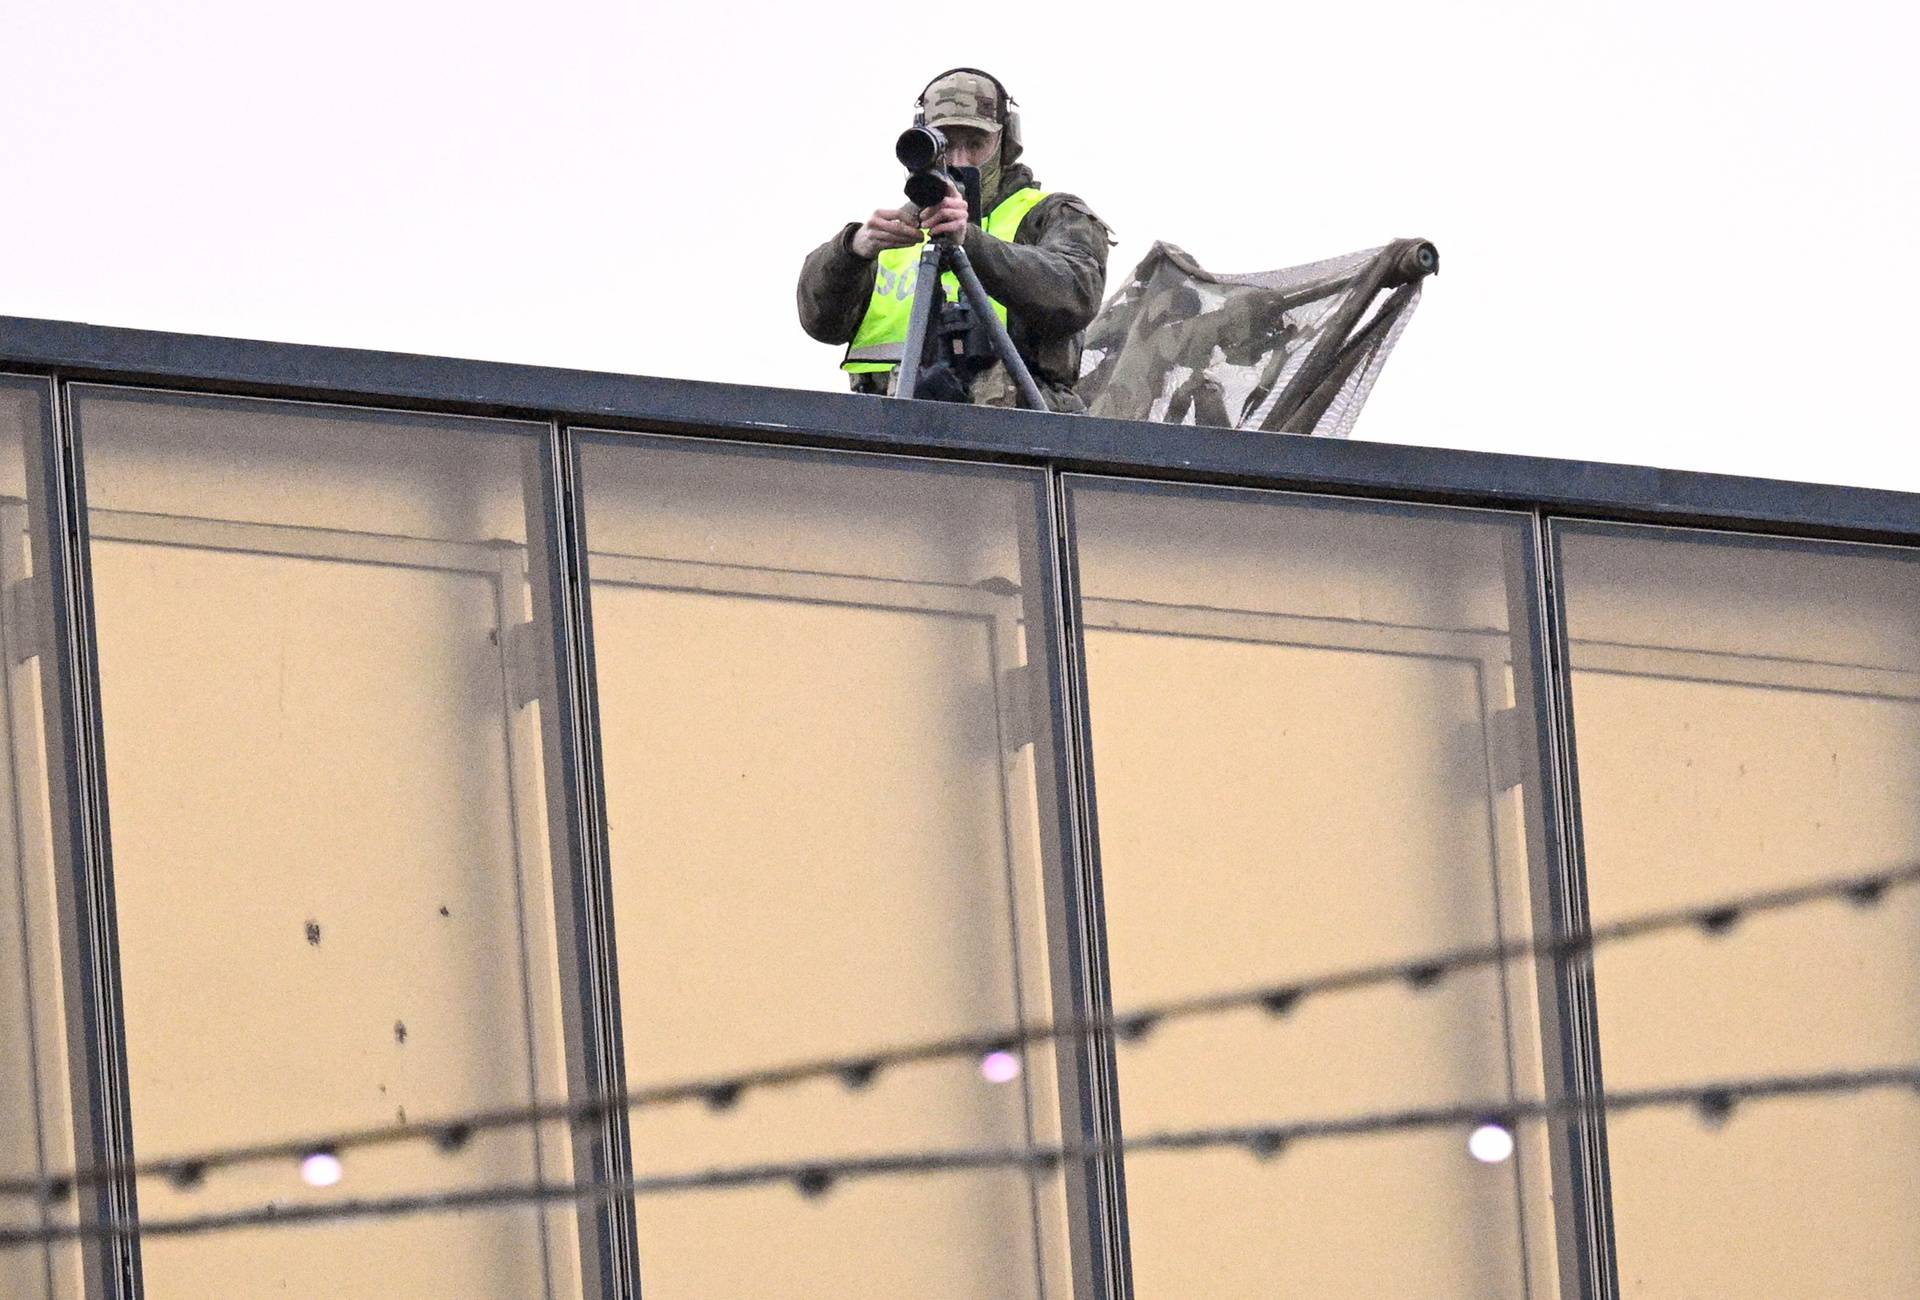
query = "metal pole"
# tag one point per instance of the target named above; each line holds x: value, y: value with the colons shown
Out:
x: 1002, y: 341
x: 925, y: 303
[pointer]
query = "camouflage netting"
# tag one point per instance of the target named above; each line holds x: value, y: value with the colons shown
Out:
x: 1296, y: 350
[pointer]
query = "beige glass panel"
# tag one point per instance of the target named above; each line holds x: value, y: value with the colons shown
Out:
x: 36, y: 1118
x: 330, y: 869
x: 823, y: 814
x: 1747, y: 716
x: 1299, y: 713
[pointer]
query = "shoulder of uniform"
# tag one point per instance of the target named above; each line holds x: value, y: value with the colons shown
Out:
x: 1059, y: 201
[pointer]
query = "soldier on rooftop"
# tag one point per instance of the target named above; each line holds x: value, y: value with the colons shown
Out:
x: 1041, y: 256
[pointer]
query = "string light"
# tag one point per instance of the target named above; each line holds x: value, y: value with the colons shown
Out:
x: 1487, y: 1139
x: 1281, y: 1001
x: 1869, y: 891
x: 859, y: 1074
x: 1267, y: 1144
x: 1000, y: 1067
x: 1715, y: 1107
x: 321, y: 1168
x: 724, y: 1093
x: 1424, y: 975
x: 1719, y: 920
x: 1491, y: 1143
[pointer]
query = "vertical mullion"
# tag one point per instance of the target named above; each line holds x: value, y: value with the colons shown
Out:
x: 1562, y: 906
x: 576, y: 800
x: 1048, y: 618
x: 70, y: 688
x: 1533, y: 656
x: 1099, y: 997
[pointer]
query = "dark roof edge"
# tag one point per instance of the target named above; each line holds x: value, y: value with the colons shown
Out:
x: 592, y: 398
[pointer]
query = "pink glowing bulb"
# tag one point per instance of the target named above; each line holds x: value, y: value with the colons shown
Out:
x: 999, y: 1067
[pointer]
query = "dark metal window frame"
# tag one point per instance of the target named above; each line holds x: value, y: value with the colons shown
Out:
x: 53, y: 354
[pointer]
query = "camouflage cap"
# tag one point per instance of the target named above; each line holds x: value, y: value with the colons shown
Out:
x: 962, y: 98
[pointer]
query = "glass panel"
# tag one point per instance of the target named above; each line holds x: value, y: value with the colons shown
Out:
x: 822, y: 695
x: 36, y: 1116
x: 331, y: 873
x: 1307, y: 755
x: 1747, y: 715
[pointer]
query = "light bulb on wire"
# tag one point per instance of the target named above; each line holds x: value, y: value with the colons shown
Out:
x: 1000, y: 1067
x: 321, y: 1169
x: 1491, y: 1143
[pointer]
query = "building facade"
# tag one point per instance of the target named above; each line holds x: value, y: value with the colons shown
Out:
x: 390, y: 738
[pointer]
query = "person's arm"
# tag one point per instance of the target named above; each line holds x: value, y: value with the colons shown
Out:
x: 836, y: 280
x: 1053, y: 284
x: 834, y: 287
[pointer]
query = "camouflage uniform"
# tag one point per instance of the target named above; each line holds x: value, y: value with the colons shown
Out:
x: 1051, y: 278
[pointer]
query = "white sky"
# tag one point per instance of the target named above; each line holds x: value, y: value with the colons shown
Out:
x: 1671, y: 233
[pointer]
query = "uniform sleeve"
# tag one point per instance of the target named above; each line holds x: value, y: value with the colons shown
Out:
x: 835, y: 285
x: 1055, y: 282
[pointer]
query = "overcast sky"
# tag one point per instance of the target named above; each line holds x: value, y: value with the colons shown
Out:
x: 1671, y: 233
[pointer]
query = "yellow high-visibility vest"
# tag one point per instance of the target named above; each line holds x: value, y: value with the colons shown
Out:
x: 881, y: 340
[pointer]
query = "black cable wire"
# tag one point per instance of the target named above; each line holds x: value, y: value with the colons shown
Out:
x: 1713, y: 1102
x: 721, y: 1092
